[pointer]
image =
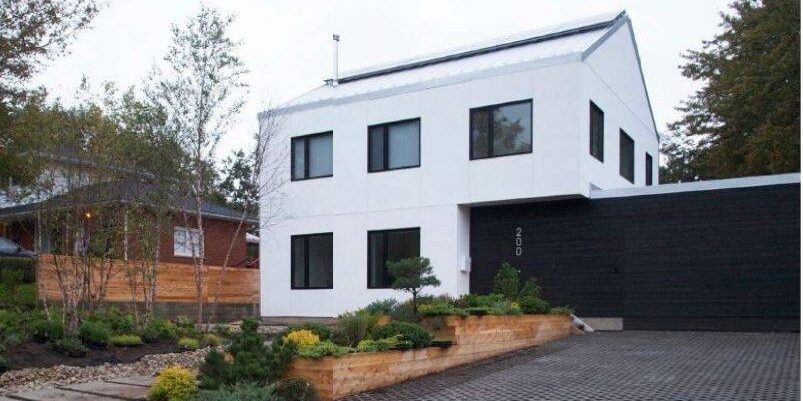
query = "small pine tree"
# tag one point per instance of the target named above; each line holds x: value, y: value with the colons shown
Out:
x: 412, y: 275
x: 506, y: 282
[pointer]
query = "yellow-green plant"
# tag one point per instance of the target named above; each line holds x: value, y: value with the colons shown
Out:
x: 173, y: 384
x: 303, y: 338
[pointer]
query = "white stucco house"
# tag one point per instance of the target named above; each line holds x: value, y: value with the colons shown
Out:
x: 388, y: 161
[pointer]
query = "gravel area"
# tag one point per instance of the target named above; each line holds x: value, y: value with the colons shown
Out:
x: 35, y: 378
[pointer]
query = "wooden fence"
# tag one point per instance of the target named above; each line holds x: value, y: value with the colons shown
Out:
x: 175, y: 283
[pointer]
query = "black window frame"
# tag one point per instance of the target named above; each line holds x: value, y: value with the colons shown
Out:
x: 385, y: 149
x: 491, y: 129
x: 592, y: 108
x: 306, y: 261
x: 648, y: 160
x: 385, y: 251
x: 306, y: 139
x: 632, y: 156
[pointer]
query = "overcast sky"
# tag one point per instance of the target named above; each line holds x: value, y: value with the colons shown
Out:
x: 287, y: 44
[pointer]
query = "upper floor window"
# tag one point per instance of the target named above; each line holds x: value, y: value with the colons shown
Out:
x: 311, y: 261
x: 311, y: 156
x: 647, y: 169
x: 389, y: 245
x: 501, y: 130
x: 626, y: 156
x: 186, y: 241
x: 597, y: 132
x: 394, y: 145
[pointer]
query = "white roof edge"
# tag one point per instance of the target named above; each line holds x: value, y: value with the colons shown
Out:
x: 710, y: 185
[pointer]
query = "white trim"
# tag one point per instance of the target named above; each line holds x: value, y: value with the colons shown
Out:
x: 711, y: 185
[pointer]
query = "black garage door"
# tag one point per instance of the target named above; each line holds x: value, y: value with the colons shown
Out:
x: 704, y: 260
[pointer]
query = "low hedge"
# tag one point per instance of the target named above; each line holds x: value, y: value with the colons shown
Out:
x: 410, y: 335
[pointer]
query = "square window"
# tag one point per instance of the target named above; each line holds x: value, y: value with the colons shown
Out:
x: 393, y: 146
x: 501, y: 130
x: 311, y: 156
x: 390, y: 245
x: 186, y: 241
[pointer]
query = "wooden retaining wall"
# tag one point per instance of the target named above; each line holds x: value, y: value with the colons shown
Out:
x: 175, y: 283
x: 474, y: 338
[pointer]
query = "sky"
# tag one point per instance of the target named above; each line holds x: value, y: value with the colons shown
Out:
x: 286, y: 44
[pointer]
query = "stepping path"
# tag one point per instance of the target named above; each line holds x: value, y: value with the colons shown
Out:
x: 132, y: 388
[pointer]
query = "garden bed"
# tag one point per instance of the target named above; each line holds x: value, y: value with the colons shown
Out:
x: 36, y: 355
x: 473, y: 338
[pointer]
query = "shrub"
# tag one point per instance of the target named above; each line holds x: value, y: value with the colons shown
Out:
x: 3, y: 364
x: 240, y: 392
x: 211, y: 340
x: 295, y: 389
x: 381, y: 307
x: 173, y: 384
x: 117, y: 321
x: 47, y: 330
x: 353, y: 327
x: 188, y: 344
x: 185, y: 327
x: 126, y: 340
x: 403, y: 312
x: 251, y: 361
x: 302, y: 338
x: 159, y: 330
x: 69, y: 346
x: 384, y: 344
x: 440, y: 309
x: 94, y: 334
x: 412, y: 275
x: 533, y: 305
x: 321, y: 330
x: 506, y: 282
x: 505, y: 308
x: 474, y: 300
x: 530, y: 289
x: 322, y: 349
x: 15, y: 273
x: 417, y: 336
x: 478, y: 310
x: 561, y: 310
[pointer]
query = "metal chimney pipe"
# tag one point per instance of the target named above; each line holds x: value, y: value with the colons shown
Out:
x: 335, y: 41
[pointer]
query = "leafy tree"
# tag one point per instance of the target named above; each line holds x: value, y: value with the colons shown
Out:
x: 746, y: 118
x: 412, y: 275
x: 236, y: 189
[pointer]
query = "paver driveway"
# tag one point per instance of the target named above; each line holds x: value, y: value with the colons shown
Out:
x: 628, y: 365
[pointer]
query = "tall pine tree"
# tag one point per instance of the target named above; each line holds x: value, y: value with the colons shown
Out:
x: 746, y: 118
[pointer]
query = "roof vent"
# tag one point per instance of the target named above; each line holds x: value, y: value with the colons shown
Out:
x: 335, y: 41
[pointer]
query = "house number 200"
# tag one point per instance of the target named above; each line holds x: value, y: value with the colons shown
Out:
x: 517, y: 242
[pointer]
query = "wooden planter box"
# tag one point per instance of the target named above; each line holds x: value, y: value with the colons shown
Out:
x: 474, y: 338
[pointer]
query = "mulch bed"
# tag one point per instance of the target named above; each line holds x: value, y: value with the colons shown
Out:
x: 35, y: 355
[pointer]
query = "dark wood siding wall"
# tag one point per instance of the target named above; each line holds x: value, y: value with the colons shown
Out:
x: 705, y: 260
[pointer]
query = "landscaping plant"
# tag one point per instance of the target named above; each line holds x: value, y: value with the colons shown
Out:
x: 240, y: 392
x: 211, y: 340
x: 295, y: 389
x: 322, y: 349
x: 69, y: 346
x: 412, y: 275
x: 302, y: 339
x: 506, y: 282
x: 126, y: 340
x: 94, y: 334
x: 173, y: 384
x: 533, y: 305
x: 188, y: 344
x: 47, y: 330
x: 381, y: 307
x: 352, y: 327
x: 384, y: 344
x: 159, y: 330
x: 410, y: 335
x: 561, y: 310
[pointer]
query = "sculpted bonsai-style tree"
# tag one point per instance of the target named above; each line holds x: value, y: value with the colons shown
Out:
x: 412, y: 275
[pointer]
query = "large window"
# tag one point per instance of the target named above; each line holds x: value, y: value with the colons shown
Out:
x: 647, y: 169
x: 501, y: 130
x: 394, y: 145
x: 389, y: 245
x: 311, y: 261
x: 311, y: 156
x: 597, y: 133
x: 186, y: 241
x: 626, y: 156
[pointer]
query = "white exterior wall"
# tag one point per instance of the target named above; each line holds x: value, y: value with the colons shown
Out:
x: 436, y: 196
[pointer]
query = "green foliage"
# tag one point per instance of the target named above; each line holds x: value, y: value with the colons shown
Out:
x: 533, y: 305
x: 441, y: 309
x: 475, y: 300
x: 506, y: 282
x: 322, y: 349
x: 478, y: 310
x: 403, y: 312
x: 94, y: 334
x: 251, y: 360
x: 47, y: 330
x: 353, y: 327
x: 14, y: 274
x: 173, y: 384
x: 295, y: 389
x: 69, y: 346
x: 117, y: 321
x: 185, y: 327
x: 321, y: 330
x: 3, y: 364
x: 159, y: 330
x: 381, y: 307
x: 126, y: 340
x: 240, y: 392
x: 745, y: 120
x: 188, y: 344
x: 530, y: 289
x: 417, y: 336
x: 561, y: 310
x: 412, y: 275
x: 211, y: 340
x: 383, y: 344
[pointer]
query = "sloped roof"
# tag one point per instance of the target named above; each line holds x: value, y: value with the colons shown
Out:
x: 559, y: 43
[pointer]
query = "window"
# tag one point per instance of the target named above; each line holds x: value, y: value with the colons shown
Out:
x: 389, y: 245
x: 394, y: 146
x: 626, y: 156
x: 311, y: 156
x: 597, y: 133
x: 647, y: 169
x: 186, y: 241
x: 501, y: 130
x: 311, y: 261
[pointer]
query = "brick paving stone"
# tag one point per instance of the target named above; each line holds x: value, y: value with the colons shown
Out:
x: 629, y: 365
x: 56, y: 394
